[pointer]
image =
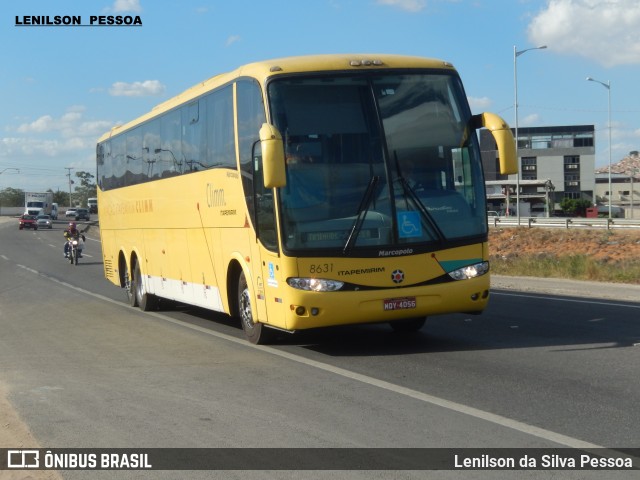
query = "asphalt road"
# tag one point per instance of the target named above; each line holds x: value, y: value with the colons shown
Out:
x: 82, y: 369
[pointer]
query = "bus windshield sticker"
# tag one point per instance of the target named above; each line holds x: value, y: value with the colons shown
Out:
x: 409, y: 225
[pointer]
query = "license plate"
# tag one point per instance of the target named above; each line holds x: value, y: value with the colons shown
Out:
x: 399, y: 303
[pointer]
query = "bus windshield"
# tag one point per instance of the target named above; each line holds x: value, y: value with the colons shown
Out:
x: 377, y: 160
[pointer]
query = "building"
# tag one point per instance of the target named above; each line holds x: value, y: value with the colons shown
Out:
x: 625, y: 187
x: 555, y: 163
x: 625, y: 197
x: 534, y: 197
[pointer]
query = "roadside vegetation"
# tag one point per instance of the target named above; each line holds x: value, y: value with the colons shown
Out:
x: 585, y: 254
x: 83, y: 187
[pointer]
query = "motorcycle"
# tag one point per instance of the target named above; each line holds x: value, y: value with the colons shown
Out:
x: 75, y: 247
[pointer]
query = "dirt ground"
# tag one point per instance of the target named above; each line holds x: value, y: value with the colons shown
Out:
x: 15, y: 434
x: 600, y: 244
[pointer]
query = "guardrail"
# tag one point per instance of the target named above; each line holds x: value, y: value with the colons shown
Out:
x: 562, y: 222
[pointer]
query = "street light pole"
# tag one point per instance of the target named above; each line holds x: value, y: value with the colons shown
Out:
x: 631, y: 193
x: 633, y: 172
x: 516, y: 54
x: 608, y: 87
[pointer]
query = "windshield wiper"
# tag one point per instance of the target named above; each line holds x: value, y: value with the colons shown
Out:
x: 363, y: 208
x: 422, y: 208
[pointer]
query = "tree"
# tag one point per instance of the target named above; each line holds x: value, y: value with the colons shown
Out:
x: 86, y: 189
x: 12, y: 197
x: 61, y: 198
x: 581, y: 206
x: 568, y: 206
x: 577, y: 207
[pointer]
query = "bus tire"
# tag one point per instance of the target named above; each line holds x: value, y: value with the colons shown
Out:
x: 130, y: 289
x: 138, y: 297
x: 255, y: 332
x: 408, y: 326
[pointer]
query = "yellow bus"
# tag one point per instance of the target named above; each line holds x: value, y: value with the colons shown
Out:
x: 304, y: 192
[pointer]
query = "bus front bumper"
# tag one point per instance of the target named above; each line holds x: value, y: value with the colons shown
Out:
x: 315, y: 309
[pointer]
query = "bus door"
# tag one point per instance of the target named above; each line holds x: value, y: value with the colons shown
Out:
x: 266, y: 261
x: 269, y: 287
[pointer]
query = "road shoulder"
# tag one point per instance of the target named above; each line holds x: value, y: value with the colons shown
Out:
x: 572, y: 288
x: 14, y: 433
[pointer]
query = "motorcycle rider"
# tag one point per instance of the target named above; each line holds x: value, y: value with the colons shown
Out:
x: 72, y: 233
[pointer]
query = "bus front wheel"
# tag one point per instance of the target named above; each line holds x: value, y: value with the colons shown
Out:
x: 255, y: 332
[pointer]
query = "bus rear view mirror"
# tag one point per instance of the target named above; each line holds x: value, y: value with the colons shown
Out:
x: 272, y: 157
x: 503, y: 138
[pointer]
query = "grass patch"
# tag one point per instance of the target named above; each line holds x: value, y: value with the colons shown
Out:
x: 576, y: 266
x: 580, y: 254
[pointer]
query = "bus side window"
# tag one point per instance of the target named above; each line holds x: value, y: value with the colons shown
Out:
x: 263, y: 203
x: 260, y: 202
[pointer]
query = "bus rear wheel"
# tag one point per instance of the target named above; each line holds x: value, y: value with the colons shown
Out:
x: 255, y: 332
x: 138, y: 297
x: 408, y: 326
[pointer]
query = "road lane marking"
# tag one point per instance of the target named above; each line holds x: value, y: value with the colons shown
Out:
x: 568, y: 300
x: 500, y: 420
x: 398, y: 389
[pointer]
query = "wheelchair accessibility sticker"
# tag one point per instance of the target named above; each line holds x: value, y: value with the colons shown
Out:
x: 271, y: 281
x: 409, y: 225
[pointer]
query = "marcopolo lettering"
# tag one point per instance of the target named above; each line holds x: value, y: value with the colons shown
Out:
x: 395, y: 253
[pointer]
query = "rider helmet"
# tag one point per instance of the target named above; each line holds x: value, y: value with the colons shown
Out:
x: 72, y: 225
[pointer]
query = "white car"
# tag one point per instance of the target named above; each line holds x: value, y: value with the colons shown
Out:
x: 71, y: 213
x: 44, y: 221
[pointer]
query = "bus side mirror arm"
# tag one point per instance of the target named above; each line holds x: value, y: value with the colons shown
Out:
x: 272, y: 156
x: 503, y: 138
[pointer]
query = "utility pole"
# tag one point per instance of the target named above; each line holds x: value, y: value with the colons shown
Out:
x: 70, y: 182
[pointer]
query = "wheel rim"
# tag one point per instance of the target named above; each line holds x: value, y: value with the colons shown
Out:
x: 139, y: 292
x: 245, y: 309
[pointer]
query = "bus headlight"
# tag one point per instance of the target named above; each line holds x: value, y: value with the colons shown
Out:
x: 315, y: 284
x: 470, y: 271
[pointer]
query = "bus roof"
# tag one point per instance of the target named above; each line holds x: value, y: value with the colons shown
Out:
x: 280, y: 66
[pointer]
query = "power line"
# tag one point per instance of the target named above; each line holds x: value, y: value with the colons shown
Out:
x: 566, y: 109
x: 26, y: 168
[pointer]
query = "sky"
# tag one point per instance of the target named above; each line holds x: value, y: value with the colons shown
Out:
x: 62, y: 87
